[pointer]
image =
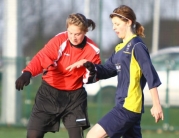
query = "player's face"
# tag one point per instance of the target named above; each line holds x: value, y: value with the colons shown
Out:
x: 75, y: 35
x: 120, y: 27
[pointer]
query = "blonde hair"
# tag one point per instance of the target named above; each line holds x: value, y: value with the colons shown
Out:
x: 81, y: 21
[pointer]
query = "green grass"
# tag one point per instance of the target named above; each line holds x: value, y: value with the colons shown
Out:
x: 150, y: 129
x: 20, y: 132
x: 97, y: 107
x: 96, y: 111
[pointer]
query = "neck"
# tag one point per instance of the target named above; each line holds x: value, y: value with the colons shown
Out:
x: 128, y: 36
x: 81, y: 45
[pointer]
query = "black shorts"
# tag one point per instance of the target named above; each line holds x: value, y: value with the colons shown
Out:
x: 52, y: 105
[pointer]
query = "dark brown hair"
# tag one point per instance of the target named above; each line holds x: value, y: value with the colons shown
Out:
x: 125, y: 13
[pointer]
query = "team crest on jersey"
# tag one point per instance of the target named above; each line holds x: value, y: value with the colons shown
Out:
x: 118, y: 67
x: 66, y: 54
x: 127, y: 50
x: 128, y: 47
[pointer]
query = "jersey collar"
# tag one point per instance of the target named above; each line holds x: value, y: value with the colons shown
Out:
x: 123, y: 44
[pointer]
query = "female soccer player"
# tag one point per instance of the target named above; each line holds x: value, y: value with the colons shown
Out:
x: 132, y: 64
x: 61, y: 95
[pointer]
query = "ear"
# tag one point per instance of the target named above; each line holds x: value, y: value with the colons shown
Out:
x: 129, y: 22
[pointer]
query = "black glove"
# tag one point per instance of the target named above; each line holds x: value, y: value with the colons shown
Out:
x: 24, y: 79
x: 90, y: 66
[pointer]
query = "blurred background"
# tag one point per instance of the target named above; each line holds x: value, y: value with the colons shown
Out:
x: 27, y: 25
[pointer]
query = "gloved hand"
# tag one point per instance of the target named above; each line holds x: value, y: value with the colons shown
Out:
x: 90, y: 66
x: 24, y: 79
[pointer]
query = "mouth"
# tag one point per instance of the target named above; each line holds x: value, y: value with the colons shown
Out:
x: 117, y: 33
x: 74, y: 42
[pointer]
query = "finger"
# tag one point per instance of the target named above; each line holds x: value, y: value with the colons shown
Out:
x: 156, y: 118
x: 69, y: 68
x: 26, y: 83
x: 162, y: 116
x: 18, y: 85
x: 22, y: 85
x: 78, y: 66
x: 21, y: 88
x: 159, y: 117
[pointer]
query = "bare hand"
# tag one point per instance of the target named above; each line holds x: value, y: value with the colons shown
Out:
x: 77, y: 64
x: 157, y: 113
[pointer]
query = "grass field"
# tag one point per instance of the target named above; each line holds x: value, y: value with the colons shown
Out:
x: 97, y: 107
x: 19, y: 132
x: 150, y: 128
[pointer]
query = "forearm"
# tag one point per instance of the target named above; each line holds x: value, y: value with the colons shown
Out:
x: 156, y: 110
x: 104, y: 72
x: 155, y: 96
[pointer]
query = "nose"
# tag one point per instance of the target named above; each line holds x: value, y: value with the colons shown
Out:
x: 73, y: 37
x: 113, y: 27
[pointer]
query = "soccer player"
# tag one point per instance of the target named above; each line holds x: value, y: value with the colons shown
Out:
x: 132, y: 64
x: 61, y: 95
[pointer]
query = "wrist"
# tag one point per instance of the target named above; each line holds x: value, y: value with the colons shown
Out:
x: 27, y: 73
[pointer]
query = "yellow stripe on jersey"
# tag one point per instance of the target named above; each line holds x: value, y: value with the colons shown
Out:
x: 121, y: 45
x: 133, y: 101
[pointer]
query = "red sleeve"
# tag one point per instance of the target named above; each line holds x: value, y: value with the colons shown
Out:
x: 96, y: 56
x: 45, y: 57
x: 96, y: 60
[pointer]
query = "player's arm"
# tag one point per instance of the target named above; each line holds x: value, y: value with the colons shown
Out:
x: 101, y: 71
x: 42, y: 60
x: 156, y: 110
x: 143, y: 58
x: 107, y: 70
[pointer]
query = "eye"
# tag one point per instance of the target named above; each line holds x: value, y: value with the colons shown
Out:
x: 69, y: 33
x: 116, y: 24
x: 78, y: 34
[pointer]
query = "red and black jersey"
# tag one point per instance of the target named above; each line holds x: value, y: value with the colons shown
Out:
x: 58, y: 54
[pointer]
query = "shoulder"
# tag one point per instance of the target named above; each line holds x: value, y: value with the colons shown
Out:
x: 92, y: 45
x: 59, y: 38
x: 90, y: 41
x: 137, y: 42
x: 62, y: 35
x: 140, y: 49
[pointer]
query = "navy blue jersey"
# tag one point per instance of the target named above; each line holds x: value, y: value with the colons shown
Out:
x: 132, y: 64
